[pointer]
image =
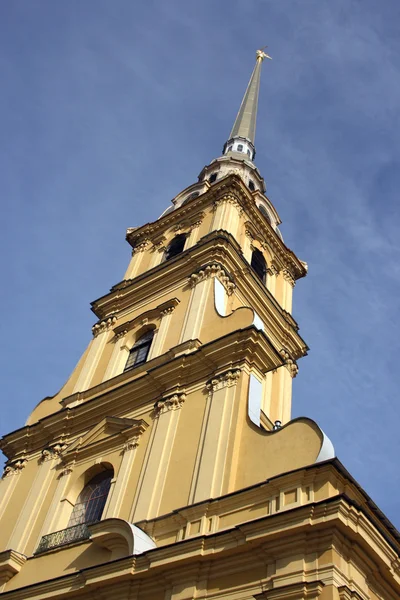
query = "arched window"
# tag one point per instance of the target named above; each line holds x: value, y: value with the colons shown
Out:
x: 264, y: 211
x: 252, y: 187
x: 259, y: 265
x: 240, y: 148
x: 140, y: 351
x: 92, y: 499
x: 176, y: 246
x: 213, y: 177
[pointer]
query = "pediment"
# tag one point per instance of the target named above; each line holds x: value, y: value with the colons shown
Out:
x: 110, y: 431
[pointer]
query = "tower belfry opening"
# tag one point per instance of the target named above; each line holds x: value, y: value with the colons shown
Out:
x: 168, y: 467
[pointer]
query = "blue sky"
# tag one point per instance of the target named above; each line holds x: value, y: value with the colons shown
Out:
x: 109, y: 109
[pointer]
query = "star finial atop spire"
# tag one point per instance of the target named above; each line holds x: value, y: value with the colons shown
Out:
x: 241, y: 139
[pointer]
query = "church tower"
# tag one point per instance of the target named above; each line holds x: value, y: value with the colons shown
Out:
x: 168, y: 466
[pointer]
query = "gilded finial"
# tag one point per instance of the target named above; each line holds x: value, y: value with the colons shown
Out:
x: 260, y: 54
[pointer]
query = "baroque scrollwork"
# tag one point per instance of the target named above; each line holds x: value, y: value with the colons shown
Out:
x: 103, y: 325
x: 227, y: 379
x: 213, y: 270
x: 173, y: 402
x: 15, y: 467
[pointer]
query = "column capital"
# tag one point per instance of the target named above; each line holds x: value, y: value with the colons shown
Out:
x: 104, y: 325
x: 226, y: 379
x: 52, y: 452
x: 288, y: 277
x: 14, y: 467
x: 173, y: 402
x: 213, y: 270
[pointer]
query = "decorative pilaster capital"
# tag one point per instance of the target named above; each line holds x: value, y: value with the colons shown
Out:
x: 227, y: 200
x: 159, y: 245
x: 167, y: 311
x: 195, y: 225
x: 67, y: 469
x: 169, y: 403
x: 227, y: 379
x: 273, y: 269
x: 52, y: 452
x: 131, y: 444
x: 288, y: 277
x: 290, y: 363
x: 15, y: 467
x: 213, y: 270
x: 141, y: 246
x: 103, y: 325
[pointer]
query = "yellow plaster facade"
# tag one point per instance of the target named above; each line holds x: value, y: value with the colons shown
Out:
x: 212, y: 490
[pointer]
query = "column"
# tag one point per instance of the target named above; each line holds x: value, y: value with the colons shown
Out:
x: 97, y: 345
x: 211, y: 461
x: 155, y: 465
x: 31, y: 509
x: 113, y: 507
x: 137, y: 257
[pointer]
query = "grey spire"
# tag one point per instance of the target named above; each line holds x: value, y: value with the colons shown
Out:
x: 243, y: 131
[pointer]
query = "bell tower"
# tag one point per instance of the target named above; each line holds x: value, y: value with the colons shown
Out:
x: 174, y: 433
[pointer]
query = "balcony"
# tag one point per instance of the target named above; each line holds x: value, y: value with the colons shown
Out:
x: 70, y: 535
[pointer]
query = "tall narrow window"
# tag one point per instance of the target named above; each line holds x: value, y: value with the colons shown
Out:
x: 252, y: 187
x: 140, y: 351
x: 264, y: 211
x: 176, y: 246
x: 259, y: 265
x: 92, y: 499
x: 240, y: 148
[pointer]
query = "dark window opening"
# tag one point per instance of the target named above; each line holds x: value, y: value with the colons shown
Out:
x: 191, y: 197
x: 252, y: 187
x: 140, y: 351
x: 230, y: 148
x: 259, y: 265
x: 264, y: 211
x: 92, y: 499
x: 213, y: 177
x: 248, y: 152
x: 175, y: 247
x: 240, y: 148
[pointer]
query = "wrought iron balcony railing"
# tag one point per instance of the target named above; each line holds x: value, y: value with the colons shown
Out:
x: 70, y: 535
